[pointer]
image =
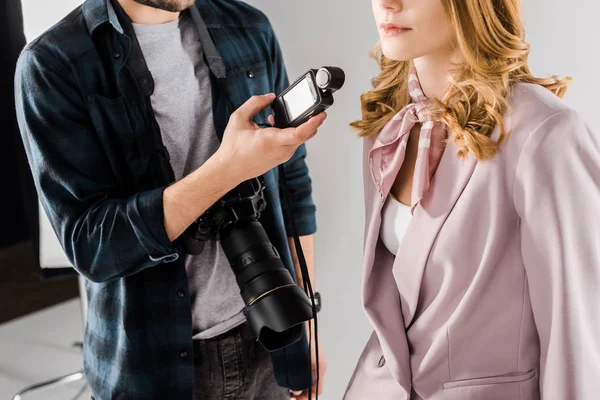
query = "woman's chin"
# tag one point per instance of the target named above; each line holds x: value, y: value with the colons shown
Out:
x: 396, y: 52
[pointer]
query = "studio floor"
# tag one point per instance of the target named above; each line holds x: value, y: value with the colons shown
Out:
x: 40, y: 347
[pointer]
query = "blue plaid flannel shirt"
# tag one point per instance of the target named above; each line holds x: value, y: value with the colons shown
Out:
x: 100, y: 169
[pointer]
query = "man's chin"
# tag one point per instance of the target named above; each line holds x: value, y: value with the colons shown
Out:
x: 167, y: 5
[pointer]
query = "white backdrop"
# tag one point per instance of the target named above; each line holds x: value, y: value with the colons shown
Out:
x: 565, y: 39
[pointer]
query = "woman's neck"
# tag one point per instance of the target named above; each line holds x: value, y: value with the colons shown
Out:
x: 434, y: 72
x: 142, y: 14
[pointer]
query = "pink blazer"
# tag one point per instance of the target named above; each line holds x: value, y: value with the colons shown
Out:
x: 495, y: 292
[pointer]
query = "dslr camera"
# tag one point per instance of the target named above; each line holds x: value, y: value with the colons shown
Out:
x: 275, y: 306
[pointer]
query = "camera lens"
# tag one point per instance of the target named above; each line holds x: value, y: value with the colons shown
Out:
x: 275, y: 306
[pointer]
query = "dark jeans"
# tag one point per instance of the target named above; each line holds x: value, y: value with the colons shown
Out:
x: 234, y: 366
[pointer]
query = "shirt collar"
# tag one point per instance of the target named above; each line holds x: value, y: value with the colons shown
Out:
x: 112, y: 17
x: 97, y: 13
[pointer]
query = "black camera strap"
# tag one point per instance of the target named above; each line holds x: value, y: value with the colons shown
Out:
x: 137, y: 63
x: 215, y: 62
x: 305, y: 278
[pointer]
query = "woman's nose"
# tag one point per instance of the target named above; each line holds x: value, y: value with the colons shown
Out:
x: 391, y: 5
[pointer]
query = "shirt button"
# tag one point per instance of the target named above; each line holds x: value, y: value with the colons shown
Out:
x: 183, y: 354
x: 181, y: 293
x: 117, y: 55
x: 250, y: 74
x: 381, y: 362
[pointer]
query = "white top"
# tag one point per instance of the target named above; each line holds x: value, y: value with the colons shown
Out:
x: 395, y: 218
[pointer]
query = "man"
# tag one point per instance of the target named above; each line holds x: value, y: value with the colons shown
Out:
x: 123, y: 173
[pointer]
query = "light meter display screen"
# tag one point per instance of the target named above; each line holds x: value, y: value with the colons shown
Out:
x: 299, y: 99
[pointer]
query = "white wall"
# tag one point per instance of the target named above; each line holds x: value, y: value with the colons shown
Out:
x: 39, y: 15
x: 565, y: 40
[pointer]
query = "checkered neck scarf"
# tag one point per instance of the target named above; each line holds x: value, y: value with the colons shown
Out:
x: 389, y: 150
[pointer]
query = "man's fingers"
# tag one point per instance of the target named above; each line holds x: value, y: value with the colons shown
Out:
x: 307, y: 128
x: 302, y: 396
x: 254, y: 105
x: 297, y: 136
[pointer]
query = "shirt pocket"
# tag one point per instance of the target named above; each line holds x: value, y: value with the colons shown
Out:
x: 250, y: 80
x: 521, y: 385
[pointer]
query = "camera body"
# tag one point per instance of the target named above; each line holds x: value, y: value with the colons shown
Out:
x: 308, y: 96
x: 245, y: 202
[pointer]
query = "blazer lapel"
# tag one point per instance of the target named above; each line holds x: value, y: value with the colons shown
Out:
x: 448, y: 183
x: 379, y: 292
x: 377, y: 176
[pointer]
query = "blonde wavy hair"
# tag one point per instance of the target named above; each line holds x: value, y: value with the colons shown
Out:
x: 491, y: 39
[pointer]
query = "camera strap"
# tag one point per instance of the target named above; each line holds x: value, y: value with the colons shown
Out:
x: 307, y: 286
x: 215, y: 62
x: 137, y: 63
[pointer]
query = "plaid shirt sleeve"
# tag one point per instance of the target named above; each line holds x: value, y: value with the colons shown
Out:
x: 104, y: 237
x: 296, y: 170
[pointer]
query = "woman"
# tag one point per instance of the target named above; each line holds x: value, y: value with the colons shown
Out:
x: 482, y: 243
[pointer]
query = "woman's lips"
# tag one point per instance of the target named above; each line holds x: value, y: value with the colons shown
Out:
x: 392, y: 29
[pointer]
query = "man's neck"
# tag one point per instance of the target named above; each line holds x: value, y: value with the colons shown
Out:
x: 142, y: 14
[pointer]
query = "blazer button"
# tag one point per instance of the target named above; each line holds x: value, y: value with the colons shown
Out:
x: 183, y: 354
x: 250, y: 74
x: 381, y: 362
x: 116, y: 55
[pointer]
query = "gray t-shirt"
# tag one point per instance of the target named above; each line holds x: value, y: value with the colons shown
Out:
x: 182, y: 103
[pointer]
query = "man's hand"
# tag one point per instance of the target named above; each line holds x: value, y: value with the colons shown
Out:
x: 322, y: 370
x: 252, y: 151
x: 245, y: 152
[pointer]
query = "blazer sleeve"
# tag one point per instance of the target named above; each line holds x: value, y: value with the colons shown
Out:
x: 557, y: 195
